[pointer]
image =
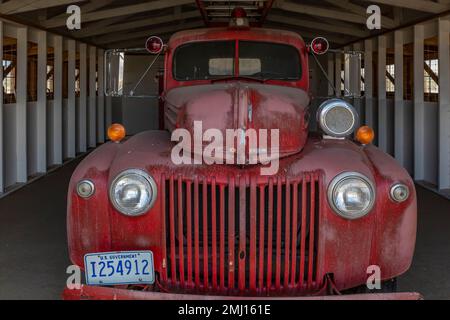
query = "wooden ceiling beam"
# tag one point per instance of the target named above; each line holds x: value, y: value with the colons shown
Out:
x: 119, y: 11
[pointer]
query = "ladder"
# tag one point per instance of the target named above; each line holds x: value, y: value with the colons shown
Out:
x: 218, y: 12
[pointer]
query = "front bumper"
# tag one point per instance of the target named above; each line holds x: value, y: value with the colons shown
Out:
x: 102, y: 293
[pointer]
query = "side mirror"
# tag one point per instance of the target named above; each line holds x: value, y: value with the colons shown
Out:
x: 114, y: 72
x: 119, y: 83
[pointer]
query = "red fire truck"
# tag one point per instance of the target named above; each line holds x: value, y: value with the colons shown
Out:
x: 143, y: 227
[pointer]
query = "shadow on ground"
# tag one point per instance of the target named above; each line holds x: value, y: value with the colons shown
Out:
x: 33, y: 245
x: 430, y: 272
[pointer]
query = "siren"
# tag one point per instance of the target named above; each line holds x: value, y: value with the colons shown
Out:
x: 320, y: 46
x: 239, y: 12
x: 154, y: 45
x: 239, y: 18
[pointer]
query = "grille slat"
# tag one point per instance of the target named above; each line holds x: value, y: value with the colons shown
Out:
x: 172, y: 230
x: 180, y: 230
x: 222, y: 238
x: 311, y: 237
x: 287, y: 239
x: 278, y: 235
x: 270, y: 237
x: 189, y: 230
x: 196, y: 233
x: 294, y: 234
x: 214, y: 233
x: 253, y: 236
x: 205, y: 233
x: 164, y: 276
x: 231, y: 233
x: 262, y: 217
x: 267, y: 233
x: 303, y: 235
x: 242, y: 233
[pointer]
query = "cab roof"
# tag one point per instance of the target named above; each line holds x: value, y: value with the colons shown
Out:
x: 255, y: 34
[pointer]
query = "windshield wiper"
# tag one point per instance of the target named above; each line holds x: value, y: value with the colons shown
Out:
x: 267, y: 76
x: 280, y: 79
x: 237, y: 78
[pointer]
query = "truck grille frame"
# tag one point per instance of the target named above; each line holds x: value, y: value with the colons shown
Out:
x: 261, y: 238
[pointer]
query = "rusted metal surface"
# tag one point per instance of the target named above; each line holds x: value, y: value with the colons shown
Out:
x: 101, y: 293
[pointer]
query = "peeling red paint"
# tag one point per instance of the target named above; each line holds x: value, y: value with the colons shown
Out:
x: 343, y: 248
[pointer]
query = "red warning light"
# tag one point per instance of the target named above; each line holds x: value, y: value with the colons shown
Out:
x: 239, y: 13
x: 154, y: 45
x: 320, y: 46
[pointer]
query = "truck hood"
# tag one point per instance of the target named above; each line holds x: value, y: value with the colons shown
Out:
x: 228, y: 107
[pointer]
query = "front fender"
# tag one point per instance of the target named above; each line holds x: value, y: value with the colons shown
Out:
x: 384, y: 238
x: 87, y: 219
x: 395, y: 236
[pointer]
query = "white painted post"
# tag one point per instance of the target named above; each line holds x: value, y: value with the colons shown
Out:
x: 382, y: 103
x: 41, y: 122
x: 2, y: 174
x: 82, y: 119
x: 57, y: 102
x: 399, y: 103
x: 108, y: 113
x: 71, y: 100
x: 92, y: 97
x: 347, y: 70
x: 355, y: 79
x: 101, y: 98
x: 330, y: 72
x: 21, y: 105
x: 419, y: 105
x: 368, y: 82
x: 338, y: 77
x: 444, y: 104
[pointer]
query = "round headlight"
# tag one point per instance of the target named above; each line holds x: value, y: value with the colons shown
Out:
x: 337, y: 118
x: 351, y: 195
x: 133, y: 192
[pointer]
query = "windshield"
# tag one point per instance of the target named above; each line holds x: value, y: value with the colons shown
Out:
x: 216, y: 59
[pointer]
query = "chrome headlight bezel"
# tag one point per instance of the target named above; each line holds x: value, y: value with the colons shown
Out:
x: 338, y: 180
x: 151, y: 184
x: 329, y: 105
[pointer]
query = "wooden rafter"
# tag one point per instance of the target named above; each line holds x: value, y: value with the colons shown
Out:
x: 89, y: 32
x: 419, y: 5
x: 21, y: 6
x: 119, y: 11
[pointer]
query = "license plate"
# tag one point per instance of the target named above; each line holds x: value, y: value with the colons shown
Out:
x: 118, y: 268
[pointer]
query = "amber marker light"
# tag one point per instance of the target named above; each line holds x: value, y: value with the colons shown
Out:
x: 365, y: 135
x: 116, y: 132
